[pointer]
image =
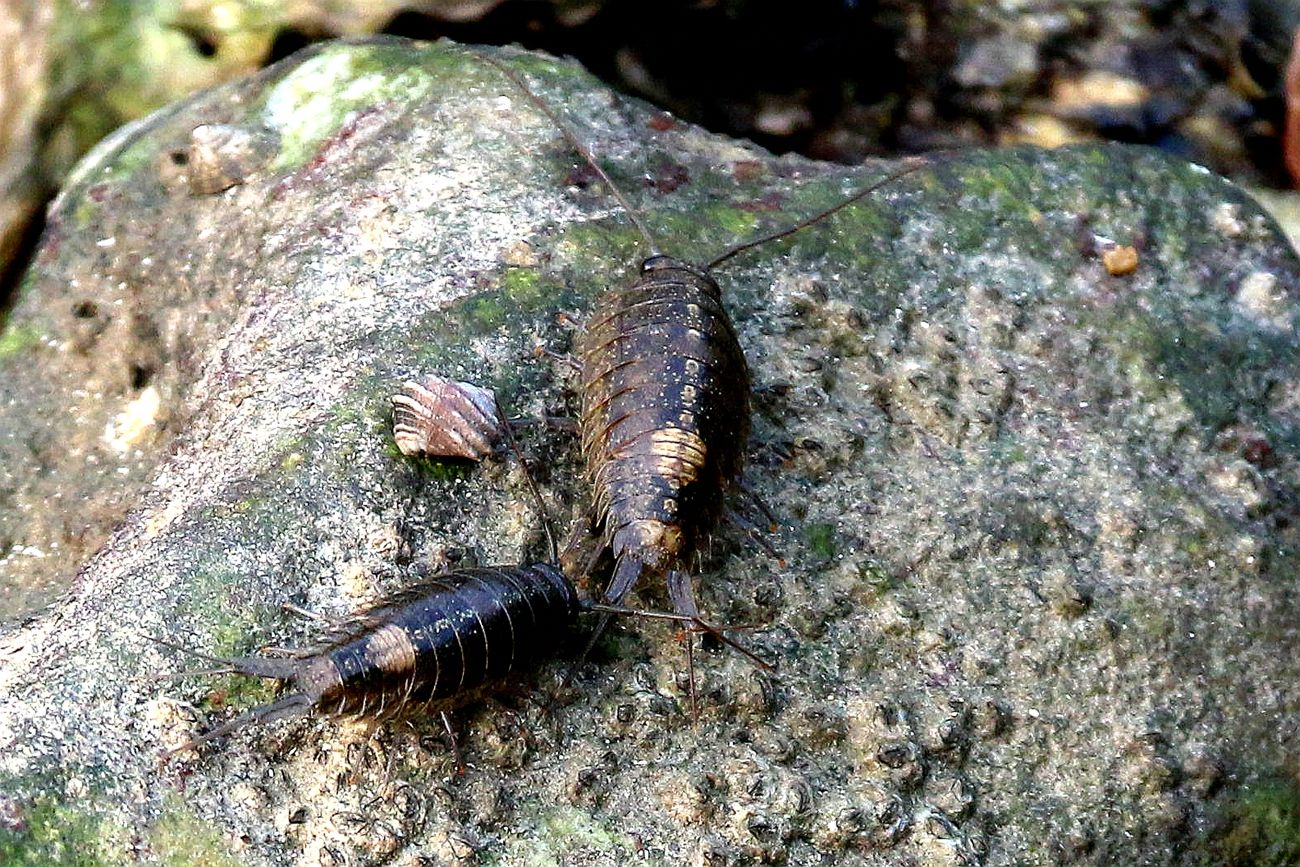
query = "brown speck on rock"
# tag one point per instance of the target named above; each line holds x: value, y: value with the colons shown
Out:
x: 1120, y: 261
x: 747, y: 171
x: 521, y: 254
x: 662, y: 122
x: 669, y: 177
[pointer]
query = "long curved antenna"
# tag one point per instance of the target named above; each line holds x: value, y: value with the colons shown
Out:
x: 251, y: 666
x: 917, y: 163
x: 697, y: 623
x: 537, y: 494
x: 576, y: 145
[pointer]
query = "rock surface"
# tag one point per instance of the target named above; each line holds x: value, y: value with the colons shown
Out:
x: 75, y: 70
x: 1037, y: 602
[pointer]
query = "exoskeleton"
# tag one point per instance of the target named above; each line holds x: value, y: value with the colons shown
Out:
x: 665, y: 421
x: 665, y: 393
x: 432, y: 647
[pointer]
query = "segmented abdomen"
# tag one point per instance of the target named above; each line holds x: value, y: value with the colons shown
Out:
x: 436, y: 643
x: 665, y: 410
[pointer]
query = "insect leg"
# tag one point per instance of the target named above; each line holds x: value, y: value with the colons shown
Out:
x: 758, y: 502
x: 561, y: 423
x: 582, y: 553
x: 455, y: 744
x: 754, y: 532
x: 334, y: 622
x: 565, y: 358
x: 683, y: 599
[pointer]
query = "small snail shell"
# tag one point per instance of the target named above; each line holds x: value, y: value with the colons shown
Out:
x: 221, y: 156
x: 442, y: 418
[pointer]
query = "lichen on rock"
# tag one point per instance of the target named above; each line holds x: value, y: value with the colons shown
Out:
x: 1036, y: 601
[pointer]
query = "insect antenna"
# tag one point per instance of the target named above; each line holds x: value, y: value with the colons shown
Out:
x: 698, y: 624
x: 577, y: 145
x: 537, y: 494
x: 915, y: 164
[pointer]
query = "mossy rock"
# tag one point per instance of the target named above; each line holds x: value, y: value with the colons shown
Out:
x: 1036, y: 601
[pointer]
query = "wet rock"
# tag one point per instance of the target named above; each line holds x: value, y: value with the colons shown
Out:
x: 1036, y: 594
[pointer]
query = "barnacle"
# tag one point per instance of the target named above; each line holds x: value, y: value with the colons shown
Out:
x: 438, y: 417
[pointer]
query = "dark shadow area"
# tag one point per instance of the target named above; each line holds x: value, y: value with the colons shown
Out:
x: 751, y: 70
x: 14, y: 261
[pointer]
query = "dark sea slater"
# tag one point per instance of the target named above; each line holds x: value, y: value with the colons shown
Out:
x: 431, y: 647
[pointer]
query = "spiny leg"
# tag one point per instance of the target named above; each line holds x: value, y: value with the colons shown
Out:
x: 682, y: 596
x: 563, y: 424
x: 582, y: 553
x: 335, y: 624
x: 455, y: 744
x: 754, y: 532
x: 328, y: 620
x: 574, y: 364
x: 745, y: 488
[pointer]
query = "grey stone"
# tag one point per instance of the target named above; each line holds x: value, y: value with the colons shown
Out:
x: 1038, y: 526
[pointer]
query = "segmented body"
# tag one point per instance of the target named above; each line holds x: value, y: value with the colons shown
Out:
x: 665, y: 419
x: 437, y: 642
x: 434, y: 646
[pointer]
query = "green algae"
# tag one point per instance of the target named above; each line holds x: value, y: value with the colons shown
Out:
x: 876, y: 578
x: 557, y: 835
x: 595, y: 253
x: 434, y: 469
x: 17, y: 339
x: 1261, y: 827
x: 820, y: 539
x: 180, y: 839
x: 523, y: 286
x: 318, y: 97
x: 55, y: 833
x: 1221, y: 373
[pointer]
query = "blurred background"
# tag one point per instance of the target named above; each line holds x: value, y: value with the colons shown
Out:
x: 833, y: 79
